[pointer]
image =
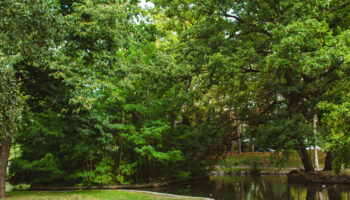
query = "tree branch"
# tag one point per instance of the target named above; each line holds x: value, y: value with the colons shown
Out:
x: 234, y: 17
x: 339, y: 7
x: 310, y: 80
x: 250, y: 70
x: 184, y: 18
x: 269, y: 107
x: 257, y: 30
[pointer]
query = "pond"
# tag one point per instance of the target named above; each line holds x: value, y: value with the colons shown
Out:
x: 258, y: 188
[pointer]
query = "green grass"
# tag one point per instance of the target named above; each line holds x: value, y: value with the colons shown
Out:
x: 86, y: 195
x: 263, y: 160
x: 8, y: 187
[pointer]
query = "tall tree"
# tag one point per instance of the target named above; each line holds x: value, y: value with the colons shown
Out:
x: 28, y: 31
x: 66, y: 95
x: 10, y: 118
x: 284, y: 53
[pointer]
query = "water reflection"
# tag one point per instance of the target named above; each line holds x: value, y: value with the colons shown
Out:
x: 259, y: 188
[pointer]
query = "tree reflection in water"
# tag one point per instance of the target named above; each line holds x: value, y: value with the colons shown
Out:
x: 329, y: 192
x: 259, y: 188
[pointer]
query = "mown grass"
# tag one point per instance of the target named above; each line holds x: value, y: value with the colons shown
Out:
x: 87, y: 195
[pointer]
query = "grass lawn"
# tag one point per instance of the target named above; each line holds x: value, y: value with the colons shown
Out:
x: 88, y: 195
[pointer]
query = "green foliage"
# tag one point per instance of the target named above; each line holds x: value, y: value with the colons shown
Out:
x: 337, y: 142
x: 110, y: 106
x: 271, y: 63
x: 20, y: 187
x: 11, y: 103
x: 280, y: 133
x: 118, y: 94
x: 104, y: 172
x: 28, y: 30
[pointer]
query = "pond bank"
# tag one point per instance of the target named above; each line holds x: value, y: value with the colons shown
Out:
x: 294, y: 175
x: 323, y: 177
x: 246, y: 170
x: 258, y: 187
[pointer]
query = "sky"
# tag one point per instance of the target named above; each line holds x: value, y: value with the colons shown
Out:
x: 145, y: 4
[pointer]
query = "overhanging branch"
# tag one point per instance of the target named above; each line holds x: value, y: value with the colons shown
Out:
x: 339, y: 7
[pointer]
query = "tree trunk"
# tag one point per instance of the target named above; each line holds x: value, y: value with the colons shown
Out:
x: 328, y: 162
x: 305, y: 157
x: 295, y: 97
x: 334, y: 193
x: 232, y: 147
x: 238, y: 131
x: 314, y: 121
x: 120, y: 154
x: 4, y: 157
x: 310, y: 193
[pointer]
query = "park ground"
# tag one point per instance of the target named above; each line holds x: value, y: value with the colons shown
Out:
x: 92, y: 195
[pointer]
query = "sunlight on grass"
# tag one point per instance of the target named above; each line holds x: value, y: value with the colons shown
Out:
x: 86, y: 195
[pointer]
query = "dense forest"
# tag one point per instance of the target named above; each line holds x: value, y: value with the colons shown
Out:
x: 103, y: 92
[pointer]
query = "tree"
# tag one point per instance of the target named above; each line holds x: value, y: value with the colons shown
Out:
x: 28, y: 31
x: 336, y: 119
x: 145, y: 93
x: 284, y: 54
x: 10, y: 118
x: 112, y: 87
x: 64, y: 116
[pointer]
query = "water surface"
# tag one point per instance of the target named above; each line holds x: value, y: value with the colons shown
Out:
x: 258, y: 188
